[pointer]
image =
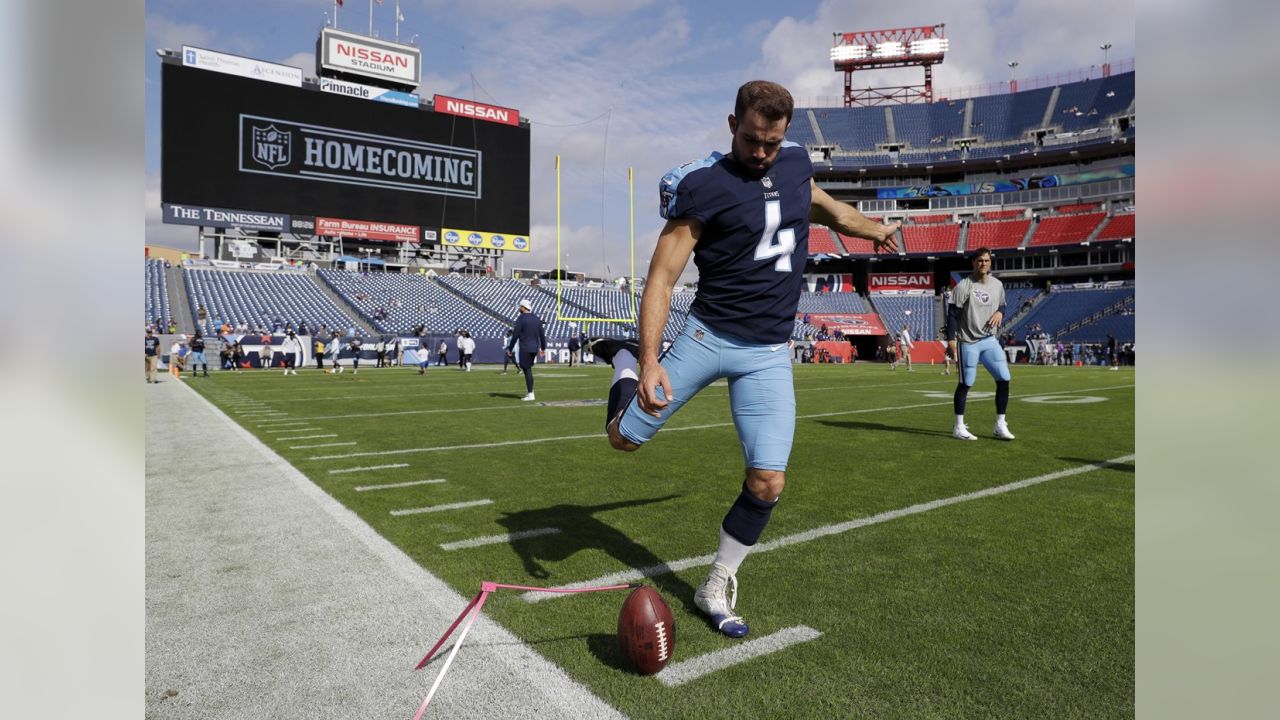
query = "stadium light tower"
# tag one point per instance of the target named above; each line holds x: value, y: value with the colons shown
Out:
x: 923, y: 46
x: 1106, y: 65
x: 1013, y: 83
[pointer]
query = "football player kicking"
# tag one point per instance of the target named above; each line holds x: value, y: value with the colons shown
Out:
x: 744, y: 218
x: 974, y: 316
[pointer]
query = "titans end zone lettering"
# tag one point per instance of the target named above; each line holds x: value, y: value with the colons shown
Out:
x: 271, y: 146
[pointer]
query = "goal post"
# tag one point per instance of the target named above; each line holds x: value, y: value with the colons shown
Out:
x: 631, y: 287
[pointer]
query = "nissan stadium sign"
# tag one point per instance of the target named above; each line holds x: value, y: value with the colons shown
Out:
x: 360, y: 55
x: 242, y: 66
x: 273, y: 146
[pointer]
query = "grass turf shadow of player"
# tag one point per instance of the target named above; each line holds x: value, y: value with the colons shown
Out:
x: 580, y: 530
x: 863, y: 425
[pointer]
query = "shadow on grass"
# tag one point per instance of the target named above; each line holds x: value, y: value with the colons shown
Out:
x: 880, y: 427
x: 1127, y: 467
x: 580, y: 530
x: 605, y: 649
x: 513, y: 396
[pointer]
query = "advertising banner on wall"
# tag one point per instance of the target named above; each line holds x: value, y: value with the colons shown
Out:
x: 900, y: 282
x: 361, y: 55
x: 830, y: 282
x: 242, y: 66
x: 479, y: 111
x: 368, y: 92
x: 850, y: 323
x: 222, y: 217
x: 480, y: 239
x: 366, y: 230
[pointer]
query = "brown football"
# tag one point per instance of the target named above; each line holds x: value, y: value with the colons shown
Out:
x: 646, y: 630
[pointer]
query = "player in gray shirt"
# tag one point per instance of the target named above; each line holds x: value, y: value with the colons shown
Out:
x: 973, y: 317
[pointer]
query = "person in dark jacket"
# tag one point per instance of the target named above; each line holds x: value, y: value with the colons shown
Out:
x: 528, y: 332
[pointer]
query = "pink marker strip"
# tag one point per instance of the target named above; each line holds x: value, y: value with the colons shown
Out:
x: 473, y: 609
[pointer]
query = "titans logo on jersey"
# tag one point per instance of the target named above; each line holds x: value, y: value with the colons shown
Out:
x: 754, y: 242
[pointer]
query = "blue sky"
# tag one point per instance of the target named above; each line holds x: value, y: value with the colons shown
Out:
x: 611, y: 84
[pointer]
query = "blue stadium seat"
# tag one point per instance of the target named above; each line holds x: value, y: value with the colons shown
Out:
x: 260, y: 299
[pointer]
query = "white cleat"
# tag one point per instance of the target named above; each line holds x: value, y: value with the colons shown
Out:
x: 1001, y: 431
x: 961, y: 432
x: 528, y: 397
x: 717, y: 597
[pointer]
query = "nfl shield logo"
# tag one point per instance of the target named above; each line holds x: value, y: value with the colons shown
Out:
x: 766, y: 181
x: 271, y: 146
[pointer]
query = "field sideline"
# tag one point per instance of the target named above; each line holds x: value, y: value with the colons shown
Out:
x: 893, y: 581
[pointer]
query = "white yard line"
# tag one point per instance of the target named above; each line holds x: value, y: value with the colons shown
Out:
x: 307, y: 447
x: 740, y: 652
x: 306, y: 437
x: 497, y: 539
x: 534, y: 441
x: 293, y: 430
x: 441, y: 508
x: 371, y: 467
x: 365, y: 488
x: 827, y: 530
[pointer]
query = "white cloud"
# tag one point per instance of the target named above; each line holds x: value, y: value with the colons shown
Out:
x: 161, y: 32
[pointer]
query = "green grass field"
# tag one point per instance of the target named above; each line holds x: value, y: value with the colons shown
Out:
x: 1017, y: 604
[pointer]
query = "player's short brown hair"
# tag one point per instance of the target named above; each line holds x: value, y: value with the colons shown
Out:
x: 769, y: 99
x: 980, y: 252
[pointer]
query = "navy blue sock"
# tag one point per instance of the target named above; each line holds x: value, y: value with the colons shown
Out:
x: 745, y: 521
x: 620, y: 393
x: 1002, y: 396
x: 962, y: 394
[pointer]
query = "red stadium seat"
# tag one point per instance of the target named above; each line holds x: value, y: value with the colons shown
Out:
x: 931, y: 238
x: 930, y: 219
x: 1065, y: 229
x: 1003, y: 214
x: 1119, y: 228
x: 823, y: 241
x: 996, y: 235
x: 1078, y: 208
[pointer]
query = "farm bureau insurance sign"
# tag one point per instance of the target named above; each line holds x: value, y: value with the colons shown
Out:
x: 271, y: 146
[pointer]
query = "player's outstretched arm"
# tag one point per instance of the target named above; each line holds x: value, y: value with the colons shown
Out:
x: 847, y: 219
x: 675, y: 245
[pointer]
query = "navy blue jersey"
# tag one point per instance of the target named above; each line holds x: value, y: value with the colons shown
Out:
x: 754, y: 242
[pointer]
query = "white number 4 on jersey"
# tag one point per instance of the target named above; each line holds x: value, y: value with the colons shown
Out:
x: 780, y: 247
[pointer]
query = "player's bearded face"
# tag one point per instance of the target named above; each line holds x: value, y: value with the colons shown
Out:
x: 756, y: 140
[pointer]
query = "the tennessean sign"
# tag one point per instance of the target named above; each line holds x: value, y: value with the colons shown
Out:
x: 224, y: 218
x: 479, y: 111
x: 271, y: 146
x: 361, y: 55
